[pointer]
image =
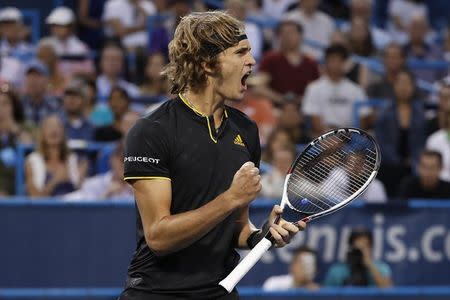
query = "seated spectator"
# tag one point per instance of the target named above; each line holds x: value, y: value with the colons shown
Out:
x: 400, y: 130
x: 119, y: 102
x: 11, y: 133
x: 46, y: 53
x: 107, y: 186
x: 37, y: 102
x: 90, y: 22
x: 52, y: 169
x: 400, y: 14
x: 394, y: 58
x: 112, y: 68
x: 359, y: 269
x: 440, y: 142
x: 427, y: 184
x: 272, y: 181
x: 361, y: 44
x: 77, y: 126
x: 73, y: 53
x: 292, y: 120
x: 317, y: 26
x: 417, y: 48
x: 155, y: 85
x: 127, y: 21
x: 288, y: 69
x: 238, y: 9
x: 438, y: 120
x: 329, y: 101
x: 12, y: 41
x: 279, y: 139
x: 302, y: 272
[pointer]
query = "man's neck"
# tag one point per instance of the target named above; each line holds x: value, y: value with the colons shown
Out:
x: 334, y: 78
x: 206, y: 102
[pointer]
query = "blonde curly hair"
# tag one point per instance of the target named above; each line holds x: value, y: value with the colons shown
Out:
x: 198, y: 38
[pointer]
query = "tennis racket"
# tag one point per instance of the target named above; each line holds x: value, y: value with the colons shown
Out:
x: 332, y: 170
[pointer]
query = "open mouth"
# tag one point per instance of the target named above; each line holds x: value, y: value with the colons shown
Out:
x: 244, y: 79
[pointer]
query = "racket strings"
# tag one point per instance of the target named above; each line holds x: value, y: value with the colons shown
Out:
x: 331, y: 171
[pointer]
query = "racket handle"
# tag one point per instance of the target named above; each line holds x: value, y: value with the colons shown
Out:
x: 245, y: 265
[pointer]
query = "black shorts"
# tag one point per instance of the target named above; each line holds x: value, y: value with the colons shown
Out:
x: 132, y: 294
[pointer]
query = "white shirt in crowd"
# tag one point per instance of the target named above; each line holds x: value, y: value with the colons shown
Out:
x: 255, y: 37
x: 272, y: 184
x: 94, y: 188
x: 104, y: 86
x: 279, y: 283
x: 72, y: 46
x: 317, y: 28
x: 276, y: 8
x: 125, y: 11
x: 11, y: 71
x: 440, y: 142
x: 333, y: 101
x: 405, y: 10
x: 375, y: 193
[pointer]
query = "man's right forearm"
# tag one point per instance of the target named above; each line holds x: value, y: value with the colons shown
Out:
x: 174, y: 232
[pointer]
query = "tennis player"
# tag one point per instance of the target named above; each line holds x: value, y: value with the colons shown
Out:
x: 193, y: 166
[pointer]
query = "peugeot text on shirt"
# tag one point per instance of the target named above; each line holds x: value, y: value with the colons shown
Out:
x: 142, y: 159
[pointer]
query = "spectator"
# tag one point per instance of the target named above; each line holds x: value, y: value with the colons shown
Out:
x: 394, y: 58
x: 90, y: 22
x: 418, y: 49
x: 52, y: 169
x: 127, y: 21
x: 278, y: 139
x: 440, y: 142
x: 46, y: 53
x: 361, y: 44
x: 112, y: 68
x: 12, y: 34
x: 107, y: 186
x: 400, y: 130
x: 36, y: 101
x: 155, y: 85
x: 292, y: 120
x: 238, y: 9
x: 119, y: 101
x: 90, y: 91
x: 375, y: 193
x: 438, y: 121
x: 77, y: 126
x: 11, y: 71
x: 11, y: 132
x: 359, y: 269
x: 275, y: 8
x: 273, y: 180
x: 363, y: 9
x: 288, y: 69
x: 302, y: 272
x: 73, y: 53
x: 401, y: 12
x: 318, y: 26
x: 427, y: 184
x: 329, y: 100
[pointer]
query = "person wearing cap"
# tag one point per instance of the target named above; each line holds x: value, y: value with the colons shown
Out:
x: 77, y: 126
x: 13, y: 32
x: 37, y: 103
x: 192, y: 165
x: 74, y: 54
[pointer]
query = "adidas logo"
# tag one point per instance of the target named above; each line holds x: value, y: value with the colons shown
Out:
x: 238, y: 141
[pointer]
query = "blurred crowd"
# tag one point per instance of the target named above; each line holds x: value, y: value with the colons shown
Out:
x: 320, y: 66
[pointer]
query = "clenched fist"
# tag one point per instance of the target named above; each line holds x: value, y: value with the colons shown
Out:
x: 246, y: 184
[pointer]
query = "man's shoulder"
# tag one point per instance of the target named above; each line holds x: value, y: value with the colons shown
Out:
x: 240, y: 118
x: 437, y: 137
x: 162, y: 113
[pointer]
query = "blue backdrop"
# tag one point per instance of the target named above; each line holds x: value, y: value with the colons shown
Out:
x: 53, y: 244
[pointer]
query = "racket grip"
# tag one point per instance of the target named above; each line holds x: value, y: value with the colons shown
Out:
x: 245, y: 265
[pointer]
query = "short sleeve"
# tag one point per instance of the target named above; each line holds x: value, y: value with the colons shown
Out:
x: 336, y: 275
x: 384, y: 269
x: 147, y: 152
x: 311, y: 105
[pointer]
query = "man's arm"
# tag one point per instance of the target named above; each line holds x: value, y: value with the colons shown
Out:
x: 166, y: 233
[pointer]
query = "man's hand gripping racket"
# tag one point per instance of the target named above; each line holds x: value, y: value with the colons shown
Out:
x: 332, y: 170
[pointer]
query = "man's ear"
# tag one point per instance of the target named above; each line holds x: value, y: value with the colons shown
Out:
x: 208, y: 68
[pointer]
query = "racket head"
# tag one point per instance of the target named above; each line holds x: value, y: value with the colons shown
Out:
x: 331, y: 171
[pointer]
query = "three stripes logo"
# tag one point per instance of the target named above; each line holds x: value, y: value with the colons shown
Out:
x: 238, y: 141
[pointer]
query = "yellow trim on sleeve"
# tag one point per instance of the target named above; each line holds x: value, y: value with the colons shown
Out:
x: 147, y: 177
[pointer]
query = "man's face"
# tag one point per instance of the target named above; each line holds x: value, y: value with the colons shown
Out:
x: 362, y: 243
x: 35, y: 83
x: 73, y: 104
x: 303, y: 267
x: 290, y: 37
x: 118, y: 103
x: 112, y: 61
x: 429, y: 169
x: 393, y: 58
x: 235, y: 64
x: 335, y: 65
x: 11, y: 30
x: 418, y: 29
x: 309, y: 5
x: 61, y: 32
x: 361, y: 8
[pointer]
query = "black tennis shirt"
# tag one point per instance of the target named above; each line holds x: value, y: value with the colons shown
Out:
x: 178, y: 143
